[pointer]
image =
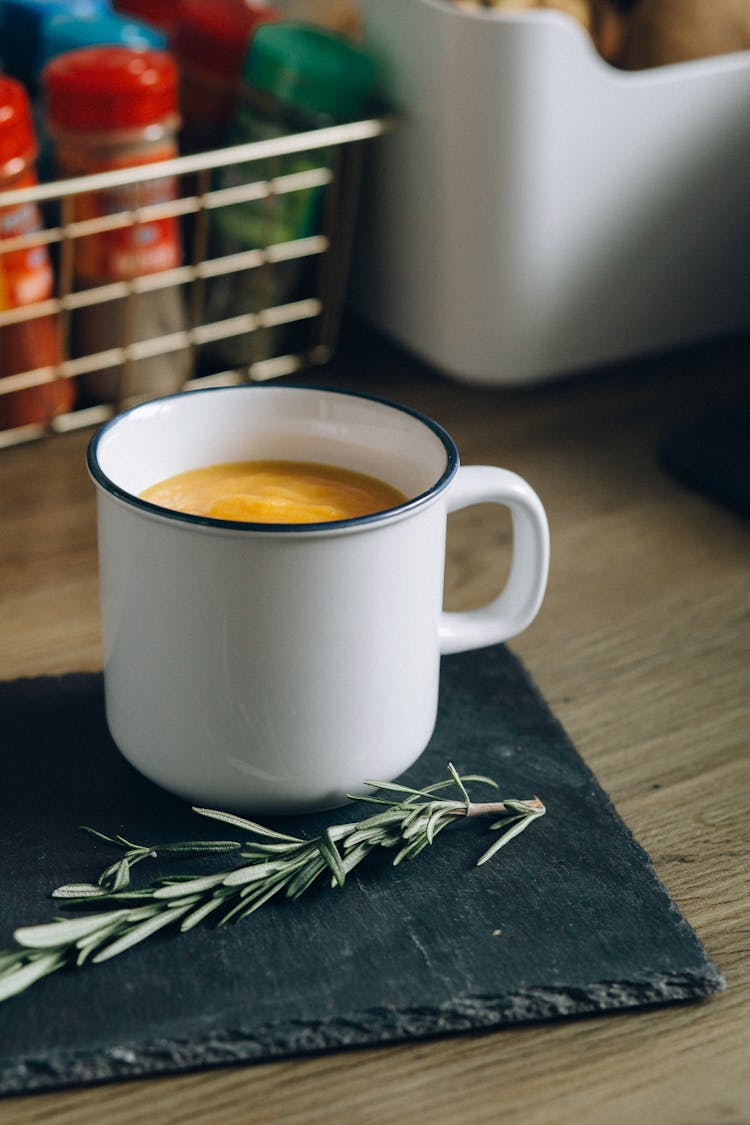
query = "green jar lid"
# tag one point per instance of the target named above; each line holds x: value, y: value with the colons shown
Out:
x: 310, y: 69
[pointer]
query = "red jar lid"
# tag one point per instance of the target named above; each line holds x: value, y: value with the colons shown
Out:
x: 158, y: 13
x: 17, y: 139
x: 215, y: 36
x: 110, y: 87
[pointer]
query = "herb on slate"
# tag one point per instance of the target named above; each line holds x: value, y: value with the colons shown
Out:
x: 275, y: 863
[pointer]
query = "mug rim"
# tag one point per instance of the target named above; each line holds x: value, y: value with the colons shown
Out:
x: 109, y: 486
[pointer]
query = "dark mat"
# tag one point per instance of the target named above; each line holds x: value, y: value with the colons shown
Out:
x: 568, y: 920
x: 712, y: 455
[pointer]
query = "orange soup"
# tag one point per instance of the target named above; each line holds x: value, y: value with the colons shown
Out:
x: 274, y: 492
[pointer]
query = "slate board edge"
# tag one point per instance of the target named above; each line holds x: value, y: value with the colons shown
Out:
x: 715, y: 981
x: 377, y: 1027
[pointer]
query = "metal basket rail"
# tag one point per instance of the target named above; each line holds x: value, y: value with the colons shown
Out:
x: 316, y: 312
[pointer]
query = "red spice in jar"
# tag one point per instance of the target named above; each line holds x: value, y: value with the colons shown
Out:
x: 25, y: 275
x: 108, y: 108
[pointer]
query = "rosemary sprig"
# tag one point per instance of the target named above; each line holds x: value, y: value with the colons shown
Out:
x: 274, y: 864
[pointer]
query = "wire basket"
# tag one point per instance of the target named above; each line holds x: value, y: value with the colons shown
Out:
x: 278, y: 338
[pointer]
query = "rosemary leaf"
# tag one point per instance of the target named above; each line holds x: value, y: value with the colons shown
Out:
x: 9, y: 958
x: 412, y: 849
x: 79, y: 890
x: 121, y: 876
x: 257, y: 900
x: 186, y: 886
x: 395, y: 787
x: 19, y: 979
x: 200, y: 847
x: 306, y: 877
x: 200, y: 912
x: 254, y: 850
x: 99, y: 835
x: 435, y: 823
x: 459, y: 784
x: 519, y: 827
x: 252, y: 873
x: 250, y: 825
x: 373, y: 838
x: 417, y: 825
x: 352, y: 833
x: 138, y: 933
x: 53, y: 934
x: 355, y: 856
x: 331, y: 855
x: 243, y: 906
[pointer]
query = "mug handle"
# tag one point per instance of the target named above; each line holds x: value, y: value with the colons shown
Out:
x: 518, y: 603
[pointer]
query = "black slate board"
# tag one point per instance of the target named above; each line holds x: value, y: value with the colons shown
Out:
x: 568, y: 920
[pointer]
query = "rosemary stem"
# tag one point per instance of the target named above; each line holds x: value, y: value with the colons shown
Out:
x: 496, y: 808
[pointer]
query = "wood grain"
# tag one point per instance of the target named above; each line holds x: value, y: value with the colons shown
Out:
x: 642, y: 649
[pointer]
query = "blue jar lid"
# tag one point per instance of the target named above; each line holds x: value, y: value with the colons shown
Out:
x: 67, y: 32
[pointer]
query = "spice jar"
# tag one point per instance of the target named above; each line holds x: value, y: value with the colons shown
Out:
x: 298, y: 77
x: 25, y: 275
x: 69, y: 31
x: 115, y: 107
x: 210, y: 42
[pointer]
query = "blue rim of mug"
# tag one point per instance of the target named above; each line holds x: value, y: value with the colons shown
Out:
x: 330, y: 526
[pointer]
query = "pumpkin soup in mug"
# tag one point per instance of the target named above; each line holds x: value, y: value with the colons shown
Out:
x: 274, y: 492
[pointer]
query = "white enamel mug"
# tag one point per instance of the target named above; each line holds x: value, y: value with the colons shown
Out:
x: 278, y: 667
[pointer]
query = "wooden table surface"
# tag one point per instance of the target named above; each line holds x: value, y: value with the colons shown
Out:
x: 642, y: 649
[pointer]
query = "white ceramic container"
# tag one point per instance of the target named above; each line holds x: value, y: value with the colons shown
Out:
x: 536, y: 212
